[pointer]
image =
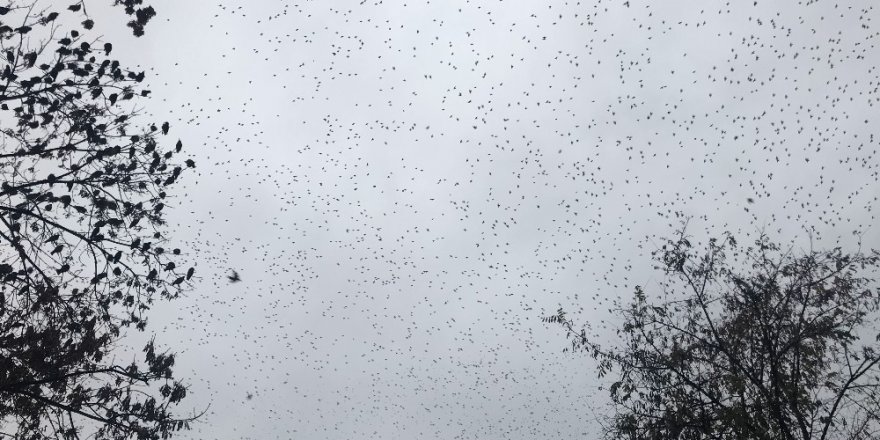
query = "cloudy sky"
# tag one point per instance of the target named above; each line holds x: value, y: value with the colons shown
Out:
x: 407, y: 187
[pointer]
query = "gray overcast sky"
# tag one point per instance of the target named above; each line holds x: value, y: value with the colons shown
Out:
x: 407, y: 187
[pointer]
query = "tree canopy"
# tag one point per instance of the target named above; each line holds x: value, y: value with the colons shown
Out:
x: 758, y: 342
x: 83, y: 252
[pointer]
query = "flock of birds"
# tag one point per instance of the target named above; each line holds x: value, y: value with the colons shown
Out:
x: 409, y: 186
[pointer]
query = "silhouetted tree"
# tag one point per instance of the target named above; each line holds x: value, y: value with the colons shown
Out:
x: 755, y: 343
x: 82, y: 253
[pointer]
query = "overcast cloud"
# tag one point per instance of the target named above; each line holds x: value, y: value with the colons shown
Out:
x: 407, y: 187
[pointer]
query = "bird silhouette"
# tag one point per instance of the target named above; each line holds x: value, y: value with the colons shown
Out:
x: 234, y: 278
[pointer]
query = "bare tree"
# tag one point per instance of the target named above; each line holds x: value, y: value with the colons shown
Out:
x: 755, y: 343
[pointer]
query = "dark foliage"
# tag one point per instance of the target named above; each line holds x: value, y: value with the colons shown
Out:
x: 82, y: 253
x: 140, y: 14
x: 755, y: 343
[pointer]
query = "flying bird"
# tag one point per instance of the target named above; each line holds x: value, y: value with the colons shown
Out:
x: 234, y: 278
